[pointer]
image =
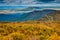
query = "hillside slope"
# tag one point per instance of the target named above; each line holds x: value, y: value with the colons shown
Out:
x: 54, y: 16
x: 41, y: 29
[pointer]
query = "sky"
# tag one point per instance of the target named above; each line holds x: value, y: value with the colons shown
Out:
x: 26, y: 2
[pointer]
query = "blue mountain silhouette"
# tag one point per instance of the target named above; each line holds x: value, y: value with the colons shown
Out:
x: 34, y: 15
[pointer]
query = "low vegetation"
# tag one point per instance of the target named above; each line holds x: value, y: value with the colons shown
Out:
x: 32, y: 30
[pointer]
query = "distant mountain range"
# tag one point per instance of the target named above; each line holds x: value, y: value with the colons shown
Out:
x: 34, y: 15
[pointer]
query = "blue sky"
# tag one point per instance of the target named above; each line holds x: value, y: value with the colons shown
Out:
x: 30, y: 2
x: 26, y: 2
x: 11, y: 4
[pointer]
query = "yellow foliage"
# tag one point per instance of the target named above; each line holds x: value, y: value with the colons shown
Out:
x: 37, y: 30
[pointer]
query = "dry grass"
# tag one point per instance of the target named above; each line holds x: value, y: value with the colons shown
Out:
x: 32, y: 30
